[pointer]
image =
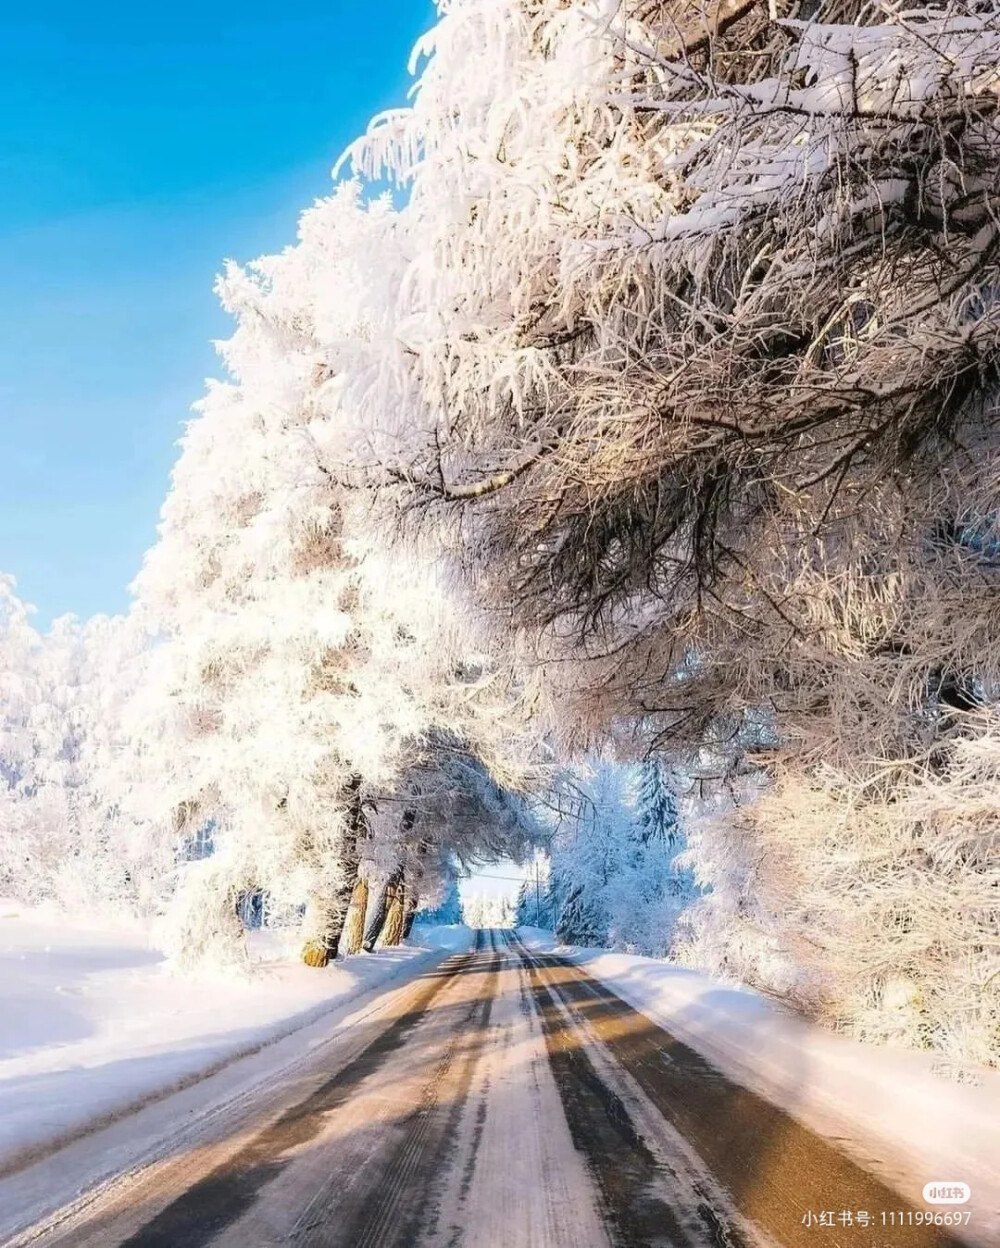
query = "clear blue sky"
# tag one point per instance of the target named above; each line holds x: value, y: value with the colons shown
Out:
x: 140, y: 145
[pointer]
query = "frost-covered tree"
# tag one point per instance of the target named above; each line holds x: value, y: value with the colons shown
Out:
x: 277, y: 705
x: 64, y: 837
x: 38, y: 775
x: 535, y: 906
x: 300, y: 671
x: 656, y: 802
x: 706, y: 346
x: 455, y: 812
x: 488, y: 910
x: 611, y: 882
x: 672, y: 340
x: 585, y: 328
x: 865, y: 892
x: 444, y: 905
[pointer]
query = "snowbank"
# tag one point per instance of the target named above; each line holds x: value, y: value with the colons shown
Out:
x: 92, y: 1024
x: 891, y: 1110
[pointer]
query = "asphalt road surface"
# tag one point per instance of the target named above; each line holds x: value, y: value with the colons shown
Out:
x: 502, y: 1100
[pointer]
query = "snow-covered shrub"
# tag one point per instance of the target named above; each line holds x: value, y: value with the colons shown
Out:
x: 869, y: 896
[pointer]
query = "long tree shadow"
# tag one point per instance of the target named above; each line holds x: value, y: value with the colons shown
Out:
x: 777, y: 1171
x: 57, y: 1108
x: 359, y: 1180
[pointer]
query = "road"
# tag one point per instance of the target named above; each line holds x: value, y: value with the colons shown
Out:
x: 501, y: 1100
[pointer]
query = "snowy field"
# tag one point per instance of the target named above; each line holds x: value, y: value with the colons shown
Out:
x: 93, y: 1024
x: 896, y: 1112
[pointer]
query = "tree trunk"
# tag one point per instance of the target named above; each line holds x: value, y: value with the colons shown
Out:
x: 382, y: 910
x: 392, y: 932
x: 410, y: 911
x: 316, y: 950
x: 414, y: 881
x: 354, y: 926
x: 326, y: 912
x: 392, y: 885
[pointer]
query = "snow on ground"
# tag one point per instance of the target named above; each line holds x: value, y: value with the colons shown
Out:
x: 92, y: 1022
x: 893, y: 1110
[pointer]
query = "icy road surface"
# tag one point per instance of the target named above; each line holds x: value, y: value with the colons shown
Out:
x: 504, y: 1099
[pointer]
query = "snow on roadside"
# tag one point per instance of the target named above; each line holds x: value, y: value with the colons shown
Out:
x: 92, y: 1022
x: 890, y: 1109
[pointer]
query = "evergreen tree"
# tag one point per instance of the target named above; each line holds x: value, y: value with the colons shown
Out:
x: 534, y: 897
x: 657, y: 804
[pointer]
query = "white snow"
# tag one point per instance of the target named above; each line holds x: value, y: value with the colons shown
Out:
x: 92, y: 1022
x: 892, y: 1110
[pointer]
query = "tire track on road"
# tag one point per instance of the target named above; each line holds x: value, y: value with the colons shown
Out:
x: 398, y: 1191
x: 517, y: 1180
x: 634, y: 1184
x: 775, y: 1170
x: 221, y: 1197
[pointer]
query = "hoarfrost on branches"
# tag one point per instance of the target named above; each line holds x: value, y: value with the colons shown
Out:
x: 660, y: 417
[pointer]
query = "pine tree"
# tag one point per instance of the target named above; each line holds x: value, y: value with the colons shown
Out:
x: 657, y: 804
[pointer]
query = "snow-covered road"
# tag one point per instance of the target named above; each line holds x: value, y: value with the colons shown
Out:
x: 503, y: 1099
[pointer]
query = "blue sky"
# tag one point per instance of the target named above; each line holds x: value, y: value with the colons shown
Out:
x: 139, y: 147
